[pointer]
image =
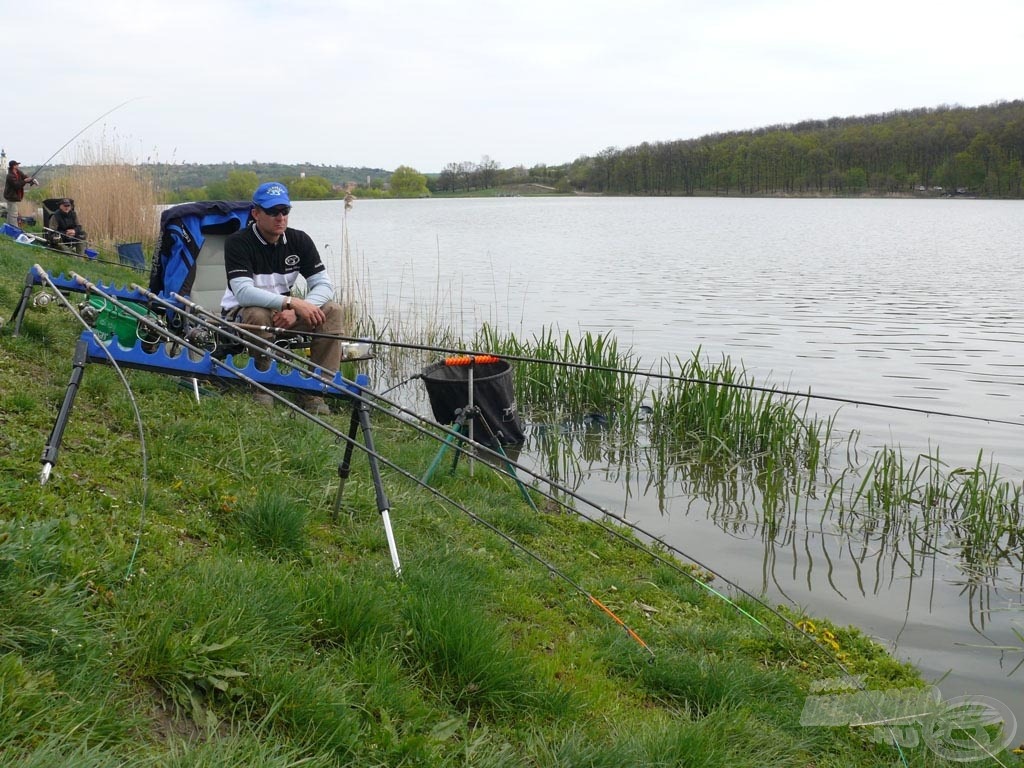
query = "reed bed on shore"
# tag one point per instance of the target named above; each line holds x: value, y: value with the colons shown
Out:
x: 114, y: 196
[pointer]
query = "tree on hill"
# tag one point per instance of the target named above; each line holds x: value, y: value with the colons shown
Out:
x: 239, y: 185
x: 309, y: 188
x: 408, y: 182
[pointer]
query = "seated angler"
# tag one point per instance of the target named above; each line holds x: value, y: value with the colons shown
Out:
x: 66, y: 229
x: 263, y: 261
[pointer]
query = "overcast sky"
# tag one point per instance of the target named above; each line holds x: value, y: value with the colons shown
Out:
x: 382, y: 83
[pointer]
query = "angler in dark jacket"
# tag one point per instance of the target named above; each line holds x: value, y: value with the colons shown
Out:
x: 14, y: 190
x: 65, y: 226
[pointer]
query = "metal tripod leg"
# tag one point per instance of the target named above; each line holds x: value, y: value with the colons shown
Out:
x: 49, y: 458
x: 361, y: 419
x: 460, y: 429
x: 464, y: 415
x: 509, y: 466
x: 26, y: 297
x: 344, y: 468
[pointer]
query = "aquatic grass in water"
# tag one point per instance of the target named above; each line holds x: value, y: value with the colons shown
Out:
x: 551, y: 390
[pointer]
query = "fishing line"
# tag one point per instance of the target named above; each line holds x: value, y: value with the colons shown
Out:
x: 290, y: 357
x: 831, y: 656
x: 154, y: 325
x: 652, y: 375
x: 44, y: 275
x: 90, y: 125
x: 282, y: 355
x: 83, y: 257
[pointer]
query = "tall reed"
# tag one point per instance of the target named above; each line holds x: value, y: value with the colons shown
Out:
x: 115, y: 197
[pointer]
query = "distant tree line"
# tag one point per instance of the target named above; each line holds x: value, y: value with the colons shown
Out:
x: 977, y: 151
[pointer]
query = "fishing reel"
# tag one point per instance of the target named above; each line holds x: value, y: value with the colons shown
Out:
x: 42, y: 300
x: 90, y: 313
x: 201, y: 337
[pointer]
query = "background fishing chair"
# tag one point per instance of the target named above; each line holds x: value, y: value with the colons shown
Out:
x: 131, y: 255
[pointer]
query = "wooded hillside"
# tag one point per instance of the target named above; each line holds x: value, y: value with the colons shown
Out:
x: 977, y: 151
x: 944, y: 150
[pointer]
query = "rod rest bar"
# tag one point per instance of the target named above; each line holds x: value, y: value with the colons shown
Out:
x: 187, y: 363
x: 70, y: 284
x: 66, y: 285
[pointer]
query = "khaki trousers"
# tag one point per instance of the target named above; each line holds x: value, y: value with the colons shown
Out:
x: 325, y: 353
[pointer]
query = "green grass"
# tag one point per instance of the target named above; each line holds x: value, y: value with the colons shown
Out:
x: 211, y: 613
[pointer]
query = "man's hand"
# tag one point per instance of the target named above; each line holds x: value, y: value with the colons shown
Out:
x: 307, y: 312
x: 286, y: 318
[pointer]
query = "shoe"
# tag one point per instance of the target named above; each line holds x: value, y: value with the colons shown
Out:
x: 264, y: 399
x: 314, y: 405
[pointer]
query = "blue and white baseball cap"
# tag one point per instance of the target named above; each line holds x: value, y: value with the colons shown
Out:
x: 270, y: 194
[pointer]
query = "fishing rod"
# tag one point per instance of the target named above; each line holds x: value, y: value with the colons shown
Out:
x: 246, y: 337
x: 57, y: 249
x: 289, y: 357
x: 174, y: 338
x: 651, y: 375
x: 41, y: 242
x: 279, y: 353
x: 90, y: 125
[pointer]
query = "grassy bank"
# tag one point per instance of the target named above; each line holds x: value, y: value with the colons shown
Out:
x: 179, y: 595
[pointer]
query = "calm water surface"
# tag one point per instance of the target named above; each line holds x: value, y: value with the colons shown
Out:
x: 910, y: 303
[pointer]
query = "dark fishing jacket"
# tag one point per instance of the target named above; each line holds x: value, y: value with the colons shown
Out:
x: 62, y: 222
x: 14, y: 187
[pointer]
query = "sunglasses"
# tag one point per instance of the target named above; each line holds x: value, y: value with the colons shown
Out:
x: 278, y: 210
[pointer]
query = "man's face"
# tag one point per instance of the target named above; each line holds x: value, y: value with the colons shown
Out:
x: 65, y: 207
x: 272, y: 222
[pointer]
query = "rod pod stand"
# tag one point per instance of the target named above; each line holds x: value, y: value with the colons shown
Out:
x: 464, y: 426
x: 361, y: 420
x: 136, y: 357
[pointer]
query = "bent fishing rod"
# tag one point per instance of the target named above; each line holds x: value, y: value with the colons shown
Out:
x: 649, y: 375
x: 274, y: 351
x: 90, y: 125
x: 371, y: 452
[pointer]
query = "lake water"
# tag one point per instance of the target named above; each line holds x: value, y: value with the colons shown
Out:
x: 910, y: 303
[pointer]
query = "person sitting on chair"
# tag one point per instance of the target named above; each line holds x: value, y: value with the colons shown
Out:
x: 66, y: 229
x: 262, y: 263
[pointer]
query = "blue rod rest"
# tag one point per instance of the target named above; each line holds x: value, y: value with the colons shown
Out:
x: 192, y: 364
x: 65, y: 283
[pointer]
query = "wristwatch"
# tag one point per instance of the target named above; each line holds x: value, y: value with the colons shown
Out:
x: 287, y: 302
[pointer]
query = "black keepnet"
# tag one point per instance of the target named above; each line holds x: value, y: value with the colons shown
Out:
x: 493, y: 394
